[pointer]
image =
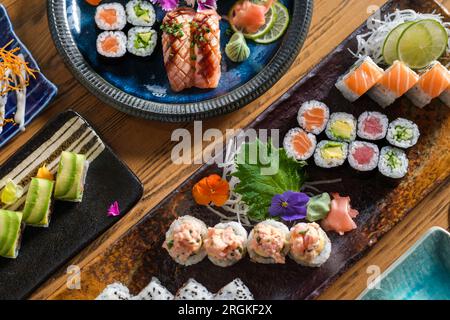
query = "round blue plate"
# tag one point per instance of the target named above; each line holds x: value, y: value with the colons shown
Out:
x: 139, y: 86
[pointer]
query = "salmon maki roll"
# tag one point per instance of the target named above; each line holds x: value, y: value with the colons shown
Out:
x: 432, y: 83
x: 313, y: 116
x: 363, y: 75
x: 110, y: 16
x: 112, y: 44
x: 299, y: 144
x: 396, y: 81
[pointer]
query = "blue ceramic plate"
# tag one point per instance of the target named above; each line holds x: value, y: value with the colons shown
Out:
x: 422, y: 273
x: 40, y: 91
x: 139, y: 86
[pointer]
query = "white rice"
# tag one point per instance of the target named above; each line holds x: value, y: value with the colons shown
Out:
x: 121, y: 38
x: 135, y: 48
x: 397, y: 141
x: 320, y: 161
x: 192, y: 290
x: 344, y: 117
x: 154, y: 291
x: 115, y: 291
x: 384, y: 122
x: 120, y: 13
x: 313, y: 105
x: 445, y: 97
x: 393, y: 172
x: 139, y: 21
x: 373, y: 163
x: 289, y: 147
x: 235, y: 290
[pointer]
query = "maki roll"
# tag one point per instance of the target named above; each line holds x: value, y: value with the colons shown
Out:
x: 309, y: 245
x: 432, y: 83
x: 110, y: 16
x: 403, y: 133
x: 226, y: 243
x: 396, y: 81
x: 363, y: 156
x: 361, y: 77
x: 140, y: 13
x: 192, y: 290
x: 184, y: 240
x: 313, y: 116
x: 71, y: 177
x: 269, y: 242
x: 235, y: 290
x: 372, y: 126
x: 142, y: 41
x: 154, y: 291
x: 299, y: 145
x: 38, y: 203
x: 393, y: 163
x: 330, y: 154
x: 341, y: 127
x: 115, y: 291
x: 11, y: 229
x: 112, y: 44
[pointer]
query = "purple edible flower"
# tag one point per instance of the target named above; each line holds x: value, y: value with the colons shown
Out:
x: 206, y: 4
x: 290, y: 206
x: 166, y: 5
x: 114, y: 210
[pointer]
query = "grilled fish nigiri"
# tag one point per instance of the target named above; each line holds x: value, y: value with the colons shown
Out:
x: 177, y: 48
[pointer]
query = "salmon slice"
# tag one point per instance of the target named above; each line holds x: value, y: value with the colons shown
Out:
x: 177, y: 49
x: 109, y: 16
x: 314, y: 118
x: 207, y: 55
x: 399, y: 78
x: 110, y: 44
x: 301, y: 143
x: 435, y: 81
x: 363, y: 77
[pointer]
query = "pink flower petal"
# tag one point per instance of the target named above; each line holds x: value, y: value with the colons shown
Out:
x: 114, y: 210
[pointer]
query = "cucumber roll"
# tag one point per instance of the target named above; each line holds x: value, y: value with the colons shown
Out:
x: 37, y: 208
x: 71, y: 177
x: 10, y: 233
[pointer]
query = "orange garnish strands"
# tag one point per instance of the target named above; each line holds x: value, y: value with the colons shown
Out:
x: 212, y: 189
x: 44, y: 173
x: 94, y: 2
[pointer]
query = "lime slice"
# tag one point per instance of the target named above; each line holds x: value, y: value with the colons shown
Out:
x: 270, y: 20
x: 422, y: 43
x: 11, y: 193
x: 391, y: 41
x: 278, y: 28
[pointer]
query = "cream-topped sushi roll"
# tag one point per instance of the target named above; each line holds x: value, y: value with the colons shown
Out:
x: 269, y: 242
x: 309, y: 244
x: 226, y: 243
x: 184, y: 240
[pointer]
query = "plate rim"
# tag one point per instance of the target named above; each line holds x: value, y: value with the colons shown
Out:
x: 287, y: 53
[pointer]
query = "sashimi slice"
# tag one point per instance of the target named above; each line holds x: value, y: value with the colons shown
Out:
x: 340, y: 218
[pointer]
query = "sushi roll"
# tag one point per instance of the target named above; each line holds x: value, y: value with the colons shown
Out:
x: 235, y: 290
x: 184, y: 240
x: 154, y: 291
x: 115, y: 291
x: 140, y: 13
x: 361, y: 77
x: 226, y: 243
x: 313, y: 116
x: 445, y: 97
x: 38, y: 203
x: 269, y: 242
x: 299, y: 144
x: 330, y: 154
x: 432, y: 83
x: 372, y: 126
x: 403, y: 133
x: 71, y: 177
x: 112, y: 44
x: 341, y: 127
x: 110, y: 16
x: 393, y: 163
x: 11, y: 229
x: 363, y: 156
x: 309, y: 245
x: 192, y: 290
x: 142, y: 41
x: 396, y: 81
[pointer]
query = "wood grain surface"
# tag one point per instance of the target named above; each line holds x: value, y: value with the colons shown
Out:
x: 146, y: 147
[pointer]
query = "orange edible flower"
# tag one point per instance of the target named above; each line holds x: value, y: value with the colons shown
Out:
x: 44, y: 173
x: 212, y: 189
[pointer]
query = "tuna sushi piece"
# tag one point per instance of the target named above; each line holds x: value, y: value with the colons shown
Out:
x: 396, y: 81
x: 299, y: 144
x: 363, y: 156
x: 372, y: 126
x: 11, y: 229
x: 403, y: 133
x: 112, y: 44
x: 361, y: 77
x: 431, y: 85
x: 341, y: 127
x: 393, y: 163
x: 313, y: 116
x: 110, y: 16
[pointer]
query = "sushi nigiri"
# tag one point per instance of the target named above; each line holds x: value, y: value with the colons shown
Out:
x: 363, y: 75
x: 313, y: 116
x: 396, y: 81
x: 431, y: 85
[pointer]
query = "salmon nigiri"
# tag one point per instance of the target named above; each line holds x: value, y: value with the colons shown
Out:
x: 299, y: 144
x: 313, y: 116
x: 248, y: 16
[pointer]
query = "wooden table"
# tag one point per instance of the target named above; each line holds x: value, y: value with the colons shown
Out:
x: 145, y: 146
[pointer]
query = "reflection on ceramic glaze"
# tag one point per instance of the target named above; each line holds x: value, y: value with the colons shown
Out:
x: 145, y: 77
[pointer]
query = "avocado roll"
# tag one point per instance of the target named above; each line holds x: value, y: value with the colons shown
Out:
x: 71, y: 176
x: 11, y: 229
x: 140, y: 13
x: 330, y: 154
x: 341, y: 127
x: 38, y: 203
x: 142, y: 41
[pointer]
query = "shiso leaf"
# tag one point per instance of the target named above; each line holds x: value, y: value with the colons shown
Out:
x: 257, y: 188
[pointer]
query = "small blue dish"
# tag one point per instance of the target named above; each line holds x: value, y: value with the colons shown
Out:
x: 39, y: 92
x: 422, y: 273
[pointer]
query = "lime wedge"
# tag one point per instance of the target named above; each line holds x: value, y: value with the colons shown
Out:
x: 421, y: 43
x: 270, y: 20
x: 11, y: 192
x: 278, y: 28
x: 391, y: 41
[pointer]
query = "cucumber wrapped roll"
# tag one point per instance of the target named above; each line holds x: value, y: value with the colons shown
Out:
x: 10, y: 233
x: 37, y: 208
x: 71, y: 177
